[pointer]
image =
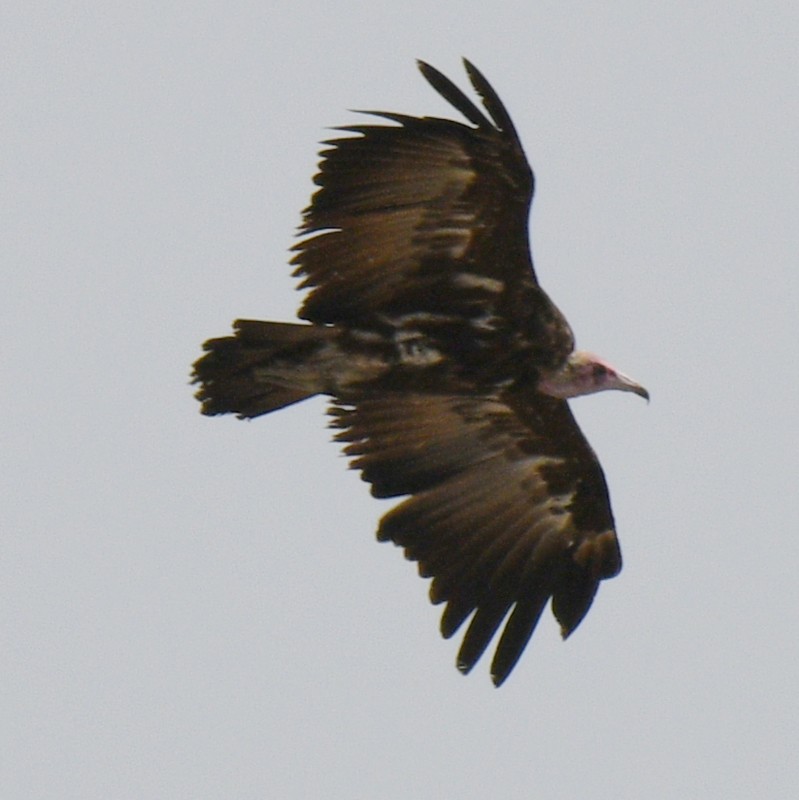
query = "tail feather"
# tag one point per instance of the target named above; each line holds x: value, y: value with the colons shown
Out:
x: 262, y: 367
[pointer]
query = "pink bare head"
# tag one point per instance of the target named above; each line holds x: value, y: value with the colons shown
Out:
x: 585, y: 373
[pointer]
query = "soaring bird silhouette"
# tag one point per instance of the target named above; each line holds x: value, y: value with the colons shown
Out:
x: 448, y: 366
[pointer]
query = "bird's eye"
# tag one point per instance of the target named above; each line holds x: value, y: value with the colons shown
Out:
x: 599, y: 371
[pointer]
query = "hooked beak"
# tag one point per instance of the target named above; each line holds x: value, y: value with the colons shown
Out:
x: 626, y: 384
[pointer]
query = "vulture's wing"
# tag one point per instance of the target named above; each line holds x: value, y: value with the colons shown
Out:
x: 508, y: 508
x: 429, y: 216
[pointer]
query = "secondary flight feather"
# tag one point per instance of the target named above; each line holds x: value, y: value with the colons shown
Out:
x: 448, y: 366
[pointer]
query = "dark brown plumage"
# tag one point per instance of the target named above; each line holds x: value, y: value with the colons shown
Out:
x: 448, y: 366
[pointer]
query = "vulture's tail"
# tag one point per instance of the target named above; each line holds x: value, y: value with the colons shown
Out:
x: 262, y: 367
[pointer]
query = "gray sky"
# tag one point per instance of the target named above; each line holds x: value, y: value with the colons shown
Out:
x: 197, y: 608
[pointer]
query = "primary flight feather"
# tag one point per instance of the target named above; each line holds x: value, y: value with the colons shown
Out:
x: 449, y: 369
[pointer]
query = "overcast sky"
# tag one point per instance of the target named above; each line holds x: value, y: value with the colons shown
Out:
x: 198, y: 608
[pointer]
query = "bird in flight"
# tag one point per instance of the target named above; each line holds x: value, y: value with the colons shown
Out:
x: 448, y: 366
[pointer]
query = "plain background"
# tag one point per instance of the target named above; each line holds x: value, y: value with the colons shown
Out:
x: 197, y: 608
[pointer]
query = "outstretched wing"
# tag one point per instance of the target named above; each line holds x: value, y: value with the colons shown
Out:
x: 428, y: 216
x: 508, y: 508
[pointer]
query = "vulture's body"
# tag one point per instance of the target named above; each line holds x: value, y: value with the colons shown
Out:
x: 449, y: 369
